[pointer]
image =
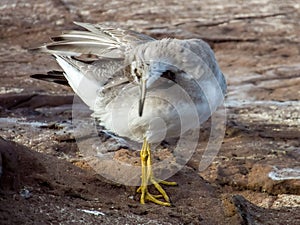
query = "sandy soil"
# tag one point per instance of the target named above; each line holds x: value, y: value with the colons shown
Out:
x: 44, y: 179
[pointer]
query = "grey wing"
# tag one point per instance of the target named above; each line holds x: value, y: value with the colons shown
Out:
x: 104, y: 47
x: 87, y: 79
x: 106, y: 73
x: 100, y: 71
x: 96, y: 40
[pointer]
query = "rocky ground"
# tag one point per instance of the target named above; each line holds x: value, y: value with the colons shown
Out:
x: 255, y: 178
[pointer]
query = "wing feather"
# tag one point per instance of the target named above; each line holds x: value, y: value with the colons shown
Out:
x: 97, y: 40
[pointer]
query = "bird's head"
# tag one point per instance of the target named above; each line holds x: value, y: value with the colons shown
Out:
x: 145, y: 73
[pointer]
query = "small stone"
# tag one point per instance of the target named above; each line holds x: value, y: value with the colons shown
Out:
x: 25, y: 193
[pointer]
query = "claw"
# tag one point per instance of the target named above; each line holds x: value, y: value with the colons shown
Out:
x: 148, y: 178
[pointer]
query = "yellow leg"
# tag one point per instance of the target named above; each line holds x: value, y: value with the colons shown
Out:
x: 148, y: 178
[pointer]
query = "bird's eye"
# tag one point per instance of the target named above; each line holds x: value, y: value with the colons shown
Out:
x: 137, y: 74
x: 169, y: 75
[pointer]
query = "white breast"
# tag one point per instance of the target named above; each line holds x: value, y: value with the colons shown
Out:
x: 169, y: 110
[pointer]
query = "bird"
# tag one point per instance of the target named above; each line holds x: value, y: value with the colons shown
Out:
x: 139, y: 87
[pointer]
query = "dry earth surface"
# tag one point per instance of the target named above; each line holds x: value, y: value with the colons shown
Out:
x: 255, y: 178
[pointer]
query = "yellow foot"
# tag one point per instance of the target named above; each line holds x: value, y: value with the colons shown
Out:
x: 146, y: 196
x: 148, y: 178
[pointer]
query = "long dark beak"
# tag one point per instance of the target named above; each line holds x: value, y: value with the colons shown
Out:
x: 142, y: 96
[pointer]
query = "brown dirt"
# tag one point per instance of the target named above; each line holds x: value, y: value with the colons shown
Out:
x: 45, y: 179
